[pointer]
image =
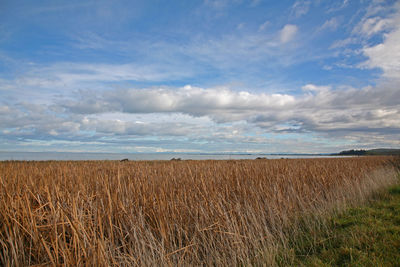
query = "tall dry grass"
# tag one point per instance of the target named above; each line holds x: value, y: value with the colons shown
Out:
x: 172, y: 213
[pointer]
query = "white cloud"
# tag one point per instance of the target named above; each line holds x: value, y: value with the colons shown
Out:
x: 264, y: 26
x: 343, y: 43
x: 315, y: 88
x: 288, y: 33
x: 385, y: 55
x: 377, y: 18
x: 226, y: 57
x: 379, y: 23
x: 338, y: 6
x: 97, y: 102
x: 219, y: 103
x: 374, y: 25
x: 209, y: 116
x: 319, y: 109
x: 300, y: 8
x: 77, y: 75
x: 330, y: 24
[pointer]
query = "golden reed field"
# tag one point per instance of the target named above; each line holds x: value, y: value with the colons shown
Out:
x: 174, y: 213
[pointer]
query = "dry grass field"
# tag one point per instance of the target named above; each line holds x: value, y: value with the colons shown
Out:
x: 171, y: 213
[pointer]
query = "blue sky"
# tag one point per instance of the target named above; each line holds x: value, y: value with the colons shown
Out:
x: 199, y: 76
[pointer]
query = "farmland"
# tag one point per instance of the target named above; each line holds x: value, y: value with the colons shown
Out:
x: 173, y: 213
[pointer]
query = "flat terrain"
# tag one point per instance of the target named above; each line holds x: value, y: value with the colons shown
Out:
x: 368, y: 235
x: 240, y: 212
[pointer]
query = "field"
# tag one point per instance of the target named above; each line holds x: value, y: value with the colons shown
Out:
x: 171, y: 213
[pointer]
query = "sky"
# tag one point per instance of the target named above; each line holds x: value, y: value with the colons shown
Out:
x: 254, y: 76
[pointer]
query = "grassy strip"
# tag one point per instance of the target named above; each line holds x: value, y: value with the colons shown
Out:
x: 362, y: 236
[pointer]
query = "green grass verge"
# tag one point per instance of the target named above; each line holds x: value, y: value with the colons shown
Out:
x: 362, y: 236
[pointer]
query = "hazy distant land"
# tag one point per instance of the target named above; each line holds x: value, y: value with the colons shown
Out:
x: 5, y: 155
x: 370, y: 152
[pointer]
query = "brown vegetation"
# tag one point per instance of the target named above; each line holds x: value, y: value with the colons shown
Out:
x: 172, y: 212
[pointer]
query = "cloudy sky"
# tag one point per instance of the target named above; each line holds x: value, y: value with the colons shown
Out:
x: 199, y: 76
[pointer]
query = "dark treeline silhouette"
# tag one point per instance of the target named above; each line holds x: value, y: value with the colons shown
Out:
x: 360, y: 152
x: 371, y: 152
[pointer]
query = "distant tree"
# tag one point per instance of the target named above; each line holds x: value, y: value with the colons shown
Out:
x: 353, y: 152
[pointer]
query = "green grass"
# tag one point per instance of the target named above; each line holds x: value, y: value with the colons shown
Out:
x: 362, y: 236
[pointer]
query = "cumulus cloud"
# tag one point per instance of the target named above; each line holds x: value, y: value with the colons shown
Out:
x: 37, y: 121
x: 209, y: 115
x: 288, y: 33
x: 385, y: 55
x: 376, y: 36
x: 100, y: 102
x: 220, y: 103
x: 320, y: 108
